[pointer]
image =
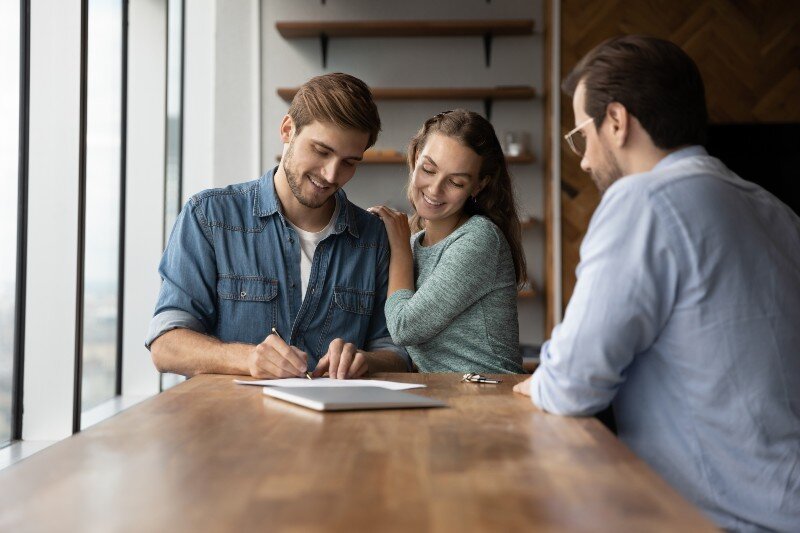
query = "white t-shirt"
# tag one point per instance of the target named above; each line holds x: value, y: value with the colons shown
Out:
x: 308, y: 245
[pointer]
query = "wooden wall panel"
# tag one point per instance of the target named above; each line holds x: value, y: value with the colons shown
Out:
x: 748, y: 52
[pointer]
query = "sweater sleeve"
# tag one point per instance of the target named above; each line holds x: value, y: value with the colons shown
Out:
x: 464, y: 275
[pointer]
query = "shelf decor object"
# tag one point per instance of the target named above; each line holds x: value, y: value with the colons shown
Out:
x: 324, y: 30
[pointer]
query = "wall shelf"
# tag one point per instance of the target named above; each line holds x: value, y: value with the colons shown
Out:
x: 522, y: 92
x: 487, y: 94
x: 530, y: 223
x: 392, y: 157
x: 324, y: 30
x: 523, y: 159
x: 403, y: 28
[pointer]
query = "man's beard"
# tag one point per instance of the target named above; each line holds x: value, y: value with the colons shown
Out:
x: 606, y: 175
x: 295, y: 181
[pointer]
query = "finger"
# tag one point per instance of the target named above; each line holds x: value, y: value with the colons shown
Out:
x: 345, y: 360
x: 359, y: 366
x: 264, y: 368
x: 301, y: 359
x: 334, y: 353
x: 296, y: 358
x: 273, y: 339
x: 270, y: 361
x: 322, y: 367
x: 376, y: 210
x: 523, y: 387
x: 290, y: 360
x: 271, y: 367
x: 384, y: 212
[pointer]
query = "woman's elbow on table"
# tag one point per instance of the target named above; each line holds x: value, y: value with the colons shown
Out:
x: 403, y: 334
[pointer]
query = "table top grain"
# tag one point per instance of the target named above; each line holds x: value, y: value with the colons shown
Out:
x: 211, y: 455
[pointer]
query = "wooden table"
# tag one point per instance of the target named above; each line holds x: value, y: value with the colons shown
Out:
x: 210, y: 455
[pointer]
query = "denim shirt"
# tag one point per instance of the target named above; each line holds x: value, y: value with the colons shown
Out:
x: 232, y: 270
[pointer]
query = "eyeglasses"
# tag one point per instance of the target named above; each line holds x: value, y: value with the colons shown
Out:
x: 578, y: 142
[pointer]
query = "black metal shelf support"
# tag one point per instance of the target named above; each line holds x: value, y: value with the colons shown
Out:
x: 323, y: 43
x: 487, y: 47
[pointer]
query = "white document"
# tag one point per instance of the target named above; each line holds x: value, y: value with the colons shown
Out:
x: 327, y: 382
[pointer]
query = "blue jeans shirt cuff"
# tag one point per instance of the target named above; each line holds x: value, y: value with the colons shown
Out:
x: 168, y: 320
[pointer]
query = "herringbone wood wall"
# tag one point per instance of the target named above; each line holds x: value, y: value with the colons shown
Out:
x: 748, y: 53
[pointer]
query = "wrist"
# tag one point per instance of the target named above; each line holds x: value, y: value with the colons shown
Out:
x: 237, y: 357
x: 402, y: 253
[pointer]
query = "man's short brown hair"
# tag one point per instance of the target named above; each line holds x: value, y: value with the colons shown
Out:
x: 339, y: 99
x: 654, y: 79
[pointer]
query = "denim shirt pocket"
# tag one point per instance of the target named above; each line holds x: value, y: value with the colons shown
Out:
x: 247, y: 307
x: 348, y: 317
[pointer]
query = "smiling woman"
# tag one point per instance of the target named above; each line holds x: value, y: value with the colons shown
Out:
x: 9, y: 146
x: 452, y: 292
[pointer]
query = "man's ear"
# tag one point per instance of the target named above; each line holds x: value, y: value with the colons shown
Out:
x: 619, y: 120
x: 287, y: 129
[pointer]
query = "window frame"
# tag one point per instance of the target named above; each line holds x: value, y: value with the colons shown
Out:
x: 18, y: 361
x: 165, y: 380
x: 78, y: 410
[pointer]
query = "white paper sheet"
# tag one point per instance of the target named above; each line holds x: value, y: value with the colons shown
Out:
x: 327, y: 382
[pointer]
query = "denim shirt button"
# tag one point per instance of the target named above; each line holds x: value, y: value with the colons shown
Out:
x: 291, y: 240
x: 291, y: 284
x: 242, y: 294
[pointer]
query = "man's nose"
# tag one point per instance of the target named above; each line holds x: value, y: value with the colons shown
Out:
x: 585, y: 164
x: 330, y: 171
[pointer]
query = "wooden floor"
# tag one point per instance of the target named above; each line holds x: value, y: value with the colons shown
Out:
x: 210, y: 455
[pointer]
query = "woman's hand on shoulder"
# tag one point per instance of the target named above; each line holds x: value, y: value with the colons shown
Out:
x: 397, y: 226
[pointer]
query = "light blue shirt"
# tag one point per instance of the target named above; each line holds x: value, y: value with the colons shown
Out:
x: 686, y: 314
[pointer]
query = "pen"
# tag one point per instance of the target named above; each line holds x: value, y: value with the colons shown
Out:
x: 275, y: 331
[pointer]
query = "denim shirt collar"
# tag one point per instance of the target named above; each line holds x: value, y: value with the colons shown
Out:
x: 266, y: 204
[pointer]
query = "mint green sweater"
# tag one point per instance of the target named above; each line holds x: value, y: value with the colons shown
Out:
x: 463, y: 315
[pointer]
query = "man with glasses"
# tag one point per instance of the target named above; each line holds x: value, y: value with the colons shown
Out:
x: 686, y: 311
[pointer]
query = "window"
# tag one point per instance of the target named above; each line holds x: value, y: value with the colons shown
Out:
x: 103, y: 203
x: 174, y: 115
x: 9, y: 171
x: 174, y: 169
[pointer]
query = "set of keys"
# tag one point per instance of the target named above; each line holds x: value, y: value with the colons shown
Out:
x: 472, y: 377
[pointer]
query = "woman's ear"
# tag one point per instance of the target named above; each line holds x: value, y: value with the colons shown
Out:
x: 481, y: 185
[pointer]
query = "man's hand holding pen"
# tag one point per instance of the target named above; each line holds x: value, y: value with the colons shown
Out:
x: 273, y: 358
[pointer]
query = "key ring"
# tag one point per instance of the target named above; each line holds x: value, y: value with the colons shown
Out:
x: 472, y: 377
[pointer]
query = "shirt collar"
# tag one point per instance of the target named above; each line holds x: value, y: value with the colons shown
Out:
x: 266, y: 204
x: 677, y: 155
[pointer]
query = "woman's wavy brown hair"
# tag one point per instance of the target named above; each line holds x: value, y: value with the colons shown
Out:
x: 496, y: 199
